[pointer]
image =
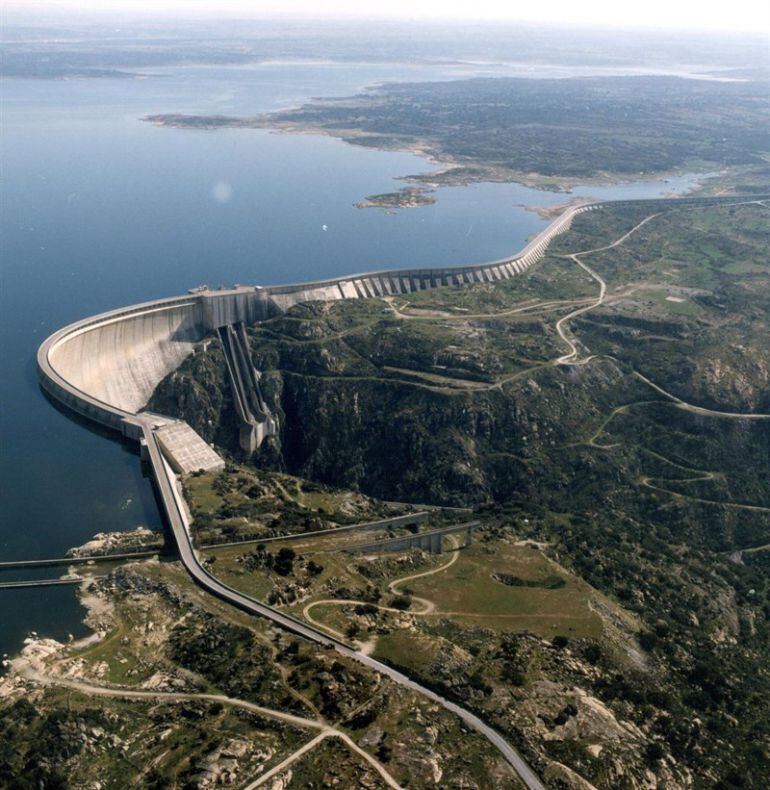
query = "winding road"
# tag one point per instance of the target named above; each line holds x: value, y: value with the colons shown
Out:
x: 429, y: 606
x: 176, y: 512
x: 571, y: 357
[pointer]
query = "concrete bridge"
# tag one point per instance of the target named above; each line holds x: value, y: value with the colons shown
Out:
x: 432, y: 541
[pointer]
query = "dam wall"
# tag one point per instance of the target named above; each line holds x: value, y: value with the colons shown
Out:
x: 120, y: 360
x: 105, y: 368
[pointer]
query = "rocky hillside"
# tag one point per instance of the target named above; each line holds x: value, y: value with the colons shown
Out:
x: 660, y: 501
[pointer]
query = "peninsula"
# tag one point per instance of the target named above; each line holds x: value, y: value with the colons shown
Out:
x: 547, y: 133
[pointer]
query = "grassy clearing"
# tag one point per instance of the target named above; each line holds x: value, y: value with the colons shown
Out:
x: 407, y: 649
x: 470, y: 594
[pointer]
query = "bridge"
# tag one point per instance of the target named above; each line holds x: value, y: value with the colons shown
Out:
x: 431, y: 541
x: 86, y: 560
x: 105, y: 369
x: 407, y: 520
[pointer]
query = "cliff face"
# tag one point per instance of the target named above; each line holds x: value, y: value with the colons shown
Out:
x: 361, y: 411
x: 402, y: 441
x: 199, y: 393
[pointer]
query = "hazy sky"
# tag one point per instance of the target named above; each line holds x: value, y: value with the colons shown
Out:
x: 748, y: 15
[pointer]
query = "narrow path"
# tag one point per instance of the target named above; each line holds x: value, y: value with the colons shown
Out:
x: 310, y: 745
x: 452, y: 560
x: 326, y: 730
x: 550, y: 304
x: 171, y: 696
x: 646, y: 482
x: 680, y: 404
x: 290, y: 760
x: 571, y: 357
x: 707, y: 474
x: 429, y: 606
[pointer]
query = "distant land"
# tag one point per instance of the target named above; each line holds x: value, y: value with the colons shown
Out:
x: 549, y: 133
x: 409, y: 197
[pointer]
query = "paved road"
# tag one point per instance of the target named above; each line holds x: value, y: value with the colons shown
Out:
x: 176, y: 511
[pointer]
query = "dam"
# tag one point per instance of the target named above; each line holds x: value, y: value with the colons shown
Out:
x: 106, y: 368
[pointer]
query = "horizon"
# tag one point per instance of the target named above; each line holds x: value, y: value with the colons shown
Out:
x: 655, y: 17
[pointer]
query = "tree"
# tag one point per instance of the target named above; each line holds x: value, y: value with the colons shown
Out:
x: 283, y: 564
x: 402, y: 602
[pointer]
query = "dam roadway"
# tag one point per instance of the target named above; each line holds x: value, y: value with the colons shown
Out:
x: 106, y: 368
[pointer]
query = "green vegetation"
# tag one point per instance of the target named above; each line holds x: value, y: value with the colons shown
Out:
x: 546, y: 130
x: 243, y: 503
x: 181, y: 644
x: 636, y: 501
x: 409, y: 197
x: 68, y: 739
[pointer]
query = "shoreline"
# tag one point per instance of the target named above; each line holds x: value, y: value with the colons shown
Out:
x: 447, y: 173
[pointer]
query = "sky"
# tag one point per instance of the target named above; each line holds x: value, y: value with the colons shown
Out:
x: 736, y: 15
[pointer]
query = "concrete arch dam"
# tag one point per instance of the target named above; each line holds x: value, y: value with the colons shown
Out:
x: 105, y: 369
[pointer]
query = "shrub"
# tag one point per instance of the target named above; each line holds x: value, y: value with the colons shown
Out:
x: 283, y: 564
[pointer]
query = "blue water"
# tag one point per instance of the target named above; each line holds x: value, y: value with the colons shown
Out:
x: 101, y: 210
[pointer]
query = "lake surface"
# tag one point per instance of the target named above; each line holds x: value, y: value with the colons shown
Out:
x: 101, y: 210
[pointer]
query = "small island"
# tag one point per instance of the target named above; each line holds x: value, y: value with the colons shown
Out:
x: 408, y: 197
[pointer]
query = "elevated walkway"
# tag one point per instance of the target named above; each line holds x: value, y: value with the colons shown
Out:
x: 41, y: 583
x: 93, y: 560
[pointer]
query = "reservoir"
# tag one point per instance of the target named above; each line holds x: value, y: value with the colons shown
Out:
x: 101, y: 210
